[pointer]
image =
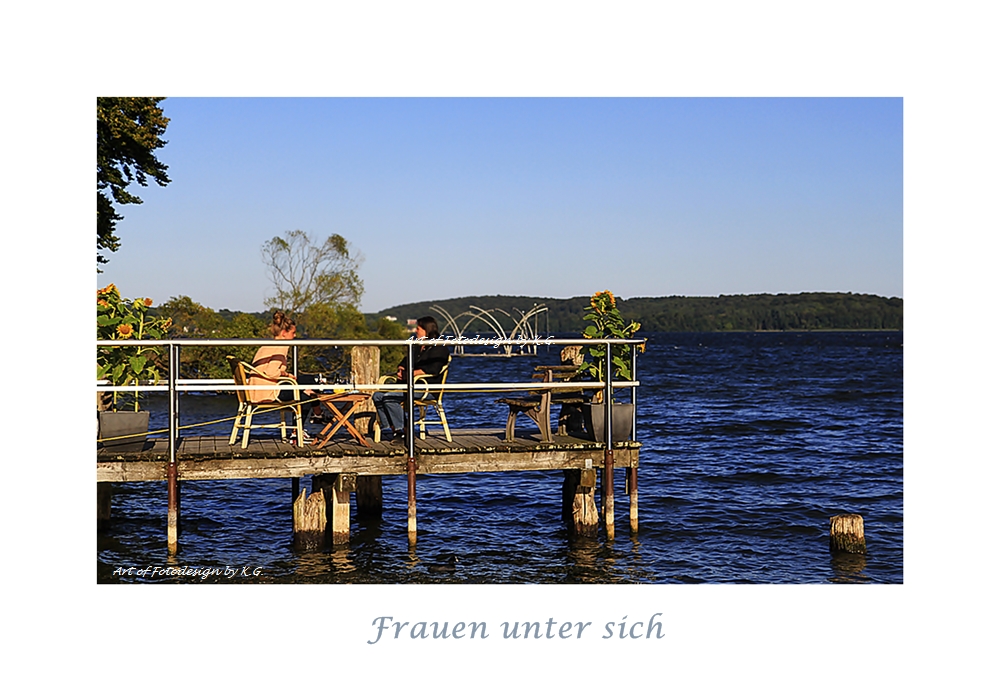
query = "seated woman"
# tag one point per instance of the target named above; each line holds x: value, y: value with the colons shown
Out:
x: 272, y: 361
x: 427, y: 360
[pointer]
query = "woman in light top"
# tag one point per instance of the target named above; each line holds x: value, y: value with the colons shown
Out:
x: 272, y: 361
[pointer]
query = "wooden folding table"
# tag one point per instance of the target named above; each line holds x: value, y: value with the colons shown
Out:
x: 341, y: 418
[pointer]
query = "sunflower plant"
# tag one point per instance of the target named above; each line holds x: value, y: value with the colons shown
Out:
x: 123, y: 319
x: 605, y: 321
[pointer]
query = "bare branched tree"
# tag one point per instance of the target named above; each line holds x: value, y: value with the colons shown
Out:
x: 306, y: 274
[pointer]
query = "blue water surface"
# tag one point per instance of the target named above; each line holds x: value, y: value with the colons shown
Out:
x: 750, y: 442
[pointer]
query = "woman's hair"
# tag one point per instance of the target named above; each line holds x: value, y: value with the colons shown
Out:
x: 430, y: 325
x: 281, y: 322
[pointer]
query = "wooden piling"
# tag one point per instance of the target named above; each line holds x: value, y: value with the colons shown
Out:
x: 847, y: 533
x: 336, y: 488
x: 365, y: 370
x: 579, y: 509
x: 632, y: 485
x: 340, y: 518
x: 309, y: 519
x: 368, y: 497
x: 103, y: 504
x: 411, y: 499
x: 608, y: 501
x: 103, y: 488
x: 173, y: 508
x: 569, y: 485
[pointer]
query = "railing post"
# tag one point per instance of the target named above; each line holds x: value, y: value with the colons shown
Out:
x: 633, y: 471
x: 635, y: 392
x: 172, y: 401
x: 173, y: 496
x: 411, y: 462
x: 608, y: 504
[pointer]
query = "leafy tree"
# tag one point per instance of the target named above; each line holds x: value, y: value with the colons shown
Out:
x: 306, y: 274
x: 129, y: 131
x: 319, y: 284
x: 193, y: 320
x: 190, y: 319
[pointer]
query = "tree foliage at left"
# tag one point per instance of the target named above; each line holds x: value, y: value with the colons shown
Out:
x: 193, y: 320
x: 129, y: 131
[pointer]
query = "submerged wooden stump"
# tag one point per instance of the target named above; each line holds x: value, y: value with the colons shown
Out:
x: 309, y: 519
x: 579, y: 508
x: 847, y: 533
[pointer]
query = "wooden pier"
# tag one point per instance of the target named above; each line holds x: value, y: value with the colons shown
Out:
x: 356, y: 465
x: 471, y: 451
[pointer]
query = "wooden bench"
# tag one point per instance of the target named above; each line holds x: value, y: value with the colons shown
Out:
x: 538, y: 404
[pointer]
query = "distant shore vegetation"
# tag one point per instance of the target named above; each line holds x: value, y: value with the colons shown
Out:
x: 752, y: 312
x: 758, y: 312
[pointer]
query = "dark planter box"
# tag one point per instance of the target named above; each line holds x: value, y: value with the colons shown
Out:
x: 621, y: 421
x: 117, y: 423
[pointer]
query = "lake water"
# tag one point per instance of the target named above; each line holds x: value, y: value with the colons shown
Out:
x: 750, y: 442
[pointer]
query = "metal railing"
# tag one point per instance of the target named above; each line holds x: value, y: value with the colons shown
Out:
x: 174, y: 385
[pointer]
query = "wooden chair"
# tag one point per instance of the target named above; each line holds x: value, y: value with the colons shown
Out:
x: 423, y: 397
x: 431, y: 398
x: 242, y: 371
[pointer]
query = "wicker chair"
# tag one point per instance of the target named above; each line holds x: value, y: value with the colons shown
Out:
x: 242, y: 372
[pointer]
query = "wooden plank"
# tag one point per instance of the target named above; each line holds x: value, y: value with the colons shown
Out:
x: 131, y: 471
x: 472, y: 450
x: 226, y: 469
x: 288, y: 468
x: 513, y: 461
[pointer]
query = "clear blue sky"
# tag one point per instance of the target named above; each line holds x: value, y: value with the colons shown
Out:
x: 544, y: 197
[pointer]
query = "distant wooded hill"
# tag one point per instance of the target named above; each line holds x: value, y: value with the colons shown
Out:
x: 757, y: 312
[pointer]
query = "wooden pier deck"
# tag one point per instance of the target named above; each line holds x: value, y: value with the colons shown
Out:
x: 471, y: 451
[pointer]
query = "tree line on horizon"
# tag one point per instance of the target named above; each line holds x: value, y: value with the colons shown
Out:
x: 747, y: 312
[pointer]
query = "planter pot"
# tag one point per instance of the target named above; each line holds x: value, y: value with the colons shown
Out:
x: 118, y: 423
x: 621, y: 421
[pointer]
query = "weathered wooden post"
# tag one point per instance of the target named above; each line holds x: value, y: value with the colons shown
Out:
x: 632, y: 485
x: 569, y: 485
x: 368, y: 496
x: 103, y: 504
x: 103, y: 488
x: 608, y: 501
x: 340, y: 519
x: 365, y: 370
x: 847, y: 533
x: 337, y: 488
x: 579, y: 509
x: 309, y: 519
